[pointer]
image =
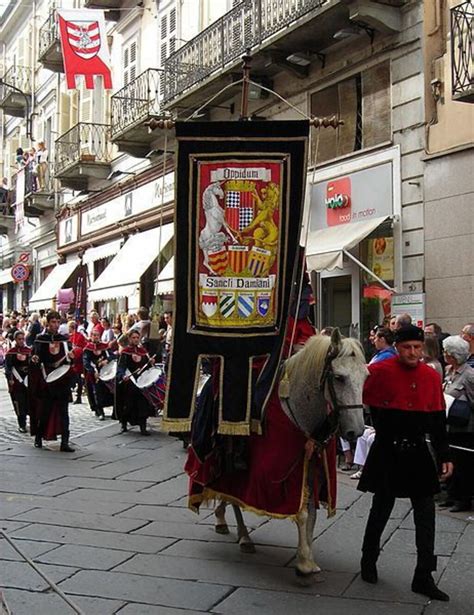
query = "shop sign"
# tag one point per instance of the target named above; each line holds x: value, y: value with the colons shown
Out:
x: 20, y: 272
x: 362, y: 195
x: 132, y: 203
x: 410, y: 303
x: 68, y: 230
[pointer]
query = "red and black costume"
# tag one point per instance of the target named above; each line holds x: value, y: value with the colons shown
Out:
x: 98, y: 394
x: 78, y: 342
x: 405, y: 403
x: 131, y: 406
x: 48, y: 402
x: 16, y: 370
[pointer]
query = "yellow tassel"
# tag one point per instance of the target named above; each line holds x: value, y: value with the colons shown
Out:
x: 233, y: 429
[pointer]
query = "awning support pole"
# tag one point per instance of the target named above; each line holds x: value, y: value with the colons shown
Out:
x: 367, y: 270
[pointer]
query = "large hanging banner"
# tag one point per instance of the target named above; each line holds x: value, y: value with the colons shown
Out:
x: 84, y: 46
x: 237, y: 223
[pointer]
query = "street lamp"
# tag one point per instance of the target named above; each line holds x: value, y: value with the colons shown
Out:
x: 27, y: 114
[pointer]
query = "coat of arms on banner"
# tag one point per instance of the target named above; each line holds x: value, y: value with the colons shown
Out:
x: 239, y: 242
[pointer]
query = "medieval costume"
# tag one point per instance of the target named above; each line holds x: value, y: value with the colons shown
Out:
x: 131, y: 405
x: 78, y: 342
x: 406, y: 402
x: 16, y: 371
x: 48, y: 402
x: 95, y: 356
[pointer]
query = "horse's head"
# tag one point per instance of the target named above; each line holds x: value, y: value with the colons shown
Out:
x: 217, y: 190
x: 346, y: 377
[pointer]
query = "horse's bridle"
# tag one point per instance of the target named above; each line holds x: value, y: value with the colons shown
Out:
x: 331, y: 422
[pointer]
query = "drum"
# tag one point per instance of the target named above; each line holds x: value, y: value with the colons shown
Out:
x: 57, y: 374
x: 108, y: 372
x: 152, y: 383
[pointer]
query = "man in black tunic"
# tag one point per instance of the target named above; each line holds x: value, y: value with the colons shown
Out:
x: 49, y: 411
x: 406, y: 402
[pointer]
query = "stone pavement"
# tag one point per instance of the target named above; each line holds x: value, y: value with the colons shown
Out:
x: 82, y: 419
x: 109, y: 525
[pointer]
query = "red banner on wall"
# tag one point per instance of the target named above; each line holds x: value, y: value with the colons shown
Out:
x: 84, y: 46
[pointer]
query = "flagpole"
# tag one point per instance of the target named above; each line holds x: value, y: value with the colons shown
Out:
x: 244, y: 101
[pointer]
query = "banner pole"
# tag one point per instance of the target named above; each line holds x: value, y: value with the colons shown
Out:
x: 244, y: 102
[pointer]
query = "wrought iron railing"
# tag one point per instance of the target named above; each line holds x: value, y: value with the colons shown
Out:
x: 462, y: 60
x: 138, y: 100
x: 34, y: 183
x: 84, y: 142
x: 247, y: 25
x: 17, y: 76
x: 48, y: 33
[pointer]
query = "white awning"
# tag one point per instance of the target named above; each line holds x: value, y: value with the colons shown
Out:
x: 165, y: 282
x: 5, y: 276
x: 43, y: 297
x: 325, y: 248
x: 121, y: 278
x: 96, y: 254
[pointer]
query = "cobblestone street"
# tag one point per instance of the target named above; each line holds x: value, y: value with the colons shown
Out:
x: 82, y: 419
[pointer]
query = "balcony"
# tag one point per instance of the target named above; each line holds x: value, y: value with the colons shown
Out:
x: 462, y: 59
x: 272, y: 29
x: 50, y: 54
x: 7, y: 212
x: 110, y: 7
x: 83, y: 155
x: 133, y: 105
x: 13, y: 102
x: 37, y: 199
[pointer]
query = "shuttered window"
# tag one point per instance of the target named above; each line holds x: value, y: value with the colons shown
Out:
x: 172, y: 21
x: 363, y: 103
x: 164, y: 27
x: 130, y: 61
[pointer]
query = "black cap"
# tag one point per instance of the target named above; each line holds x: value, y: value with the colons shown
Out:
x: 408, y: 334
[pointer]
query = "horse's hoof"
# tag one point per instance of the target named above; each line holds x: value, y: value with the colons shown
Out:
x: 305, y: 579
x: 222, y: 528
x: 247, y: 547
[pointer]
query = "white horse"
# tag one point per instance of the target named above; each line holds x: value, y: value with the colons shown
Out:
x: 328, y: 373
x: 212, y: 238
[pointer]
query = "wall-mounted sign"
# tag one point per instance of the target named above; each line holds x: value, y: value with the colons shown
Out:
x: 20, y: 272
x: 410, y: 303
x: 68, y: 230
x: 380, y: 259
x: 362, y: 195
x: 132, y: 203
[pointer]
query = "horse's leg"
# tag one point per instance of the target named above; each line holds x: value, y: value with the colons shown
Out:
x: 312, y: 513
x: 245, y: 542
x: 221, y: 524
x: 304, y: 556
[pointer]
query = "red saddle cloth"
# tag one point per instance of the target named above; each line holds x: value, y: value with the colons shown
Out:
x: 275, y: 483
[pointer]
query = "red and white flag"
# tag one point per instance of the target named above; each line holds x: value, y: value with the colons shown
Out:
x: 84, y: 46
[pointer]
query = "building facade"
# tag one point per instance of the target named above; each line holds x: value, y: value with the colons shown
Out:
x: 379, y: 232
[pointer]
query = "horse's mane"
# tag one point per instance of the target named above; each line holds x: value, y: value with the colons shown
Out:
x: 309, y: 361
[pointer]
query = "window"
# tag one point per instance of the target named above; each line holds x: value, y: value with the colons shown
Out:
x: 363, y: 103
x: 164, y: 26
x: 172, y: 20
x: 130, y: 62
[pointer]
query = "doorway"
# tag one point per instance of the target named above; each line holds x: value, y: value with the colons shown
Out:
x: 336, y: 303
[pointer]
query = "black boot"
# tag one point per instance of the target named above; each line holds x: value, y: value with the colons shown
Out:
x: 124, y: 427
x: 368, y: 568
x: 38, y: 441
x: 143, y: 430
x: 423, y: 583
x: 65, y: 448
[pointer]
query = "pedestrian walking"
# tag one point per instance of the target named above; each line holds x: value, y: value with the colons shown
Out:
x: 459, y: 384
x: 95, y: 357
x: 406, y: 402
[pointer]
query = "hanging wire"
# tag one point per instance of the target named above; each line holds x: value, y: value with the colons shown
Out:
x: 227, y: 87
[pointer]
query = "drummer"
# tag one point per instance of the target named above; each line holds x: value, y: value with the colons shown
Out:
x: 131, y: 406
x: 16, y: 370
x: 48, y: 401
x: 96, y: 355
